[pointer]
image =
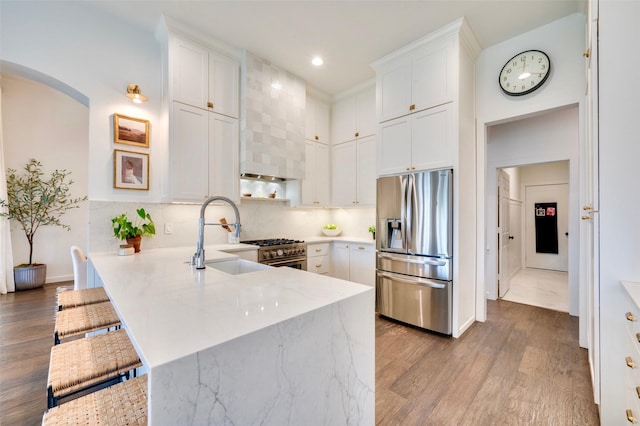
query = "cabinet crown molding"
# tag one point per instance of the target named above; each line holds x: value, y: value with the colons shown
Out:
x: 454, y: 28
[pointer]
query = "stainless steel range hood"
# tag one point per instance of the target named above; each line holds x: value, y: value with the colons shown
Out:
x: 265, y: 178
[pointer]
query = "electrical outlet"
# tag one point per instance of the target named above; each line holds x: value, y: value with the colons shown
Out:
x: 168, y: 228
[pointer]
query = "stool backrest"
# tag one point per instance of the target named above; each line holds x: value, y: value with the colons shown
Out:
x: 79, y: 268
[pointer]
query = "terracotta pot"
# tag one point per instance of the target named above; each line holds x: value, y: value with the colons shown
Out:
x: 29, y: 276
x: 135, y: 241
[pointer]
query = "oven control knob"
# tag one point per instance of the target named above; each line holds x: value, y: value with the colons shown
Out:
x: 280, y: 252
x: 273, y: 254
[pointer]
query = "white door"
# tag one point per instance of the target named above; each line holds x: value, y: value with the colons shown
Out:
x: 546, y: 194
x: 504, y: 233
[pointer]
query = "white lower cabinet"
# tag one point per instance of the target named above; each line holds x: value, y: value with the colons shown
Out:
x: 353, y: 262
x: 318, y: 259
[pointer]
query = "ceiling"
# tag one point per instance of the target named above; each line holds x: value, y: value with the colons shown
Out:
x: 349, y: 35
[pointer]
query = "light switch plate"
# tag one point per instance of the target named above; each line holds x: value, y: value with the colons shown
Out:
x: 168, y: 228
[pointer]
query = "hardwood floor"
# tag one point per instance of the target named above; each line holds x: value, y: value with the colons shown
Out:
x: 521, y: 367
x: 26, y: 335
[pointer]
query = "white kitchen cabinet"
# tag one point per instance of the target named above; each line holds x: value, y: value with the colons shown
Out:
x: 203, y: 78
x: 318, y: 258
x: 362, y: 264
x: 353, y: 173
x: 317, y: 119
x: 353, y: 262
x: 204, y: 154
x: 354, y: 117
x: 340, y: 260
x: 316, y: 186
x: 420, y: 141
x: 416, y: 81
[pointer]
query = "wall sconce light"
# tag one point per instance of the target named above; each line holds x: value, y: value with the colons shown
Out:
x: 134, y: 93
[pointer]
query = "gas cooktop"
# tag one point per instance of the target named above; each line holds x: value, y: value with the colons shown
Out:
x: 272, y: 242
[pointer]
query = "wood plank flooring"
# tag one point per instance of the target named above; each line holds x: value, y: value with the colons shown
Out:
x: 26, y: 336
x: 521, y: 367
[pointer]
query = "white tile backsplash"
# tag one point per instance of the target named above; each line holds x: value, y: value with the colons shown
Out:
x: 259, y: 218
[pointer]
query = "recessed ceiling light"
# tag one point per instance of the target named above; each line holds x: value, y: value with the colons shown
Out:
x: 317, y: 61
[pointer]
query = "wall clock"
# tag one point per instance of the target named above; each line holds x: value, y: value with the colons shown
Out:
x: 524, y: 73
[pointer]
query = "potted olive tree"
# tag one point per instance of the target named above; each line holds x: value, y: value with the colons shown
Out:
x: 34, y: 201
x: 132, y: 232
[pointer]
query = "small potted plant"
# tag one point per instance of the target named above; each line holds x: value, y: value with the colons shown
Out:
x: 132, y: 232
x: 34, y: 201
x: 372, y: 229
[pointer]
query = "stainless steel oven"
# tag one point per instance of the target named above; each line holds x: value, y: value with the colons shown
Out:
x: 279, y: 252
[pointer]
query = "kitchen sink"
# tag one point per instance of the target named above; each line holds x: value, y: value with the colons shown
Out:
x: 236, y: 266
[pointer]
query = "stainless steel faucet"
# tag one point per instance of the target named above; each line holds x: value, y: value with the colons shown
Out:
x: 198, y: 257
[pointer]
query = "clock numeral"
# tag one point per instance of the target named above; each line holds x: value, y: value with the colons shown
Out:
x: 514, y: 63
x: 524, y: 87
x: 504, y: 78
x: 543, y: 66
x: 539, y: 60
x: 508, y: 70
x: 533, y: 83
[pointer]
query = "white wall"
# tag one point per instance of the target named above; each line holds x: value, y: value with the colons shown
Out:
x: 619, y: 154
x: 98, y: 56
x: 564, y: 42
x: 42, y: 123
x: 543, y: 138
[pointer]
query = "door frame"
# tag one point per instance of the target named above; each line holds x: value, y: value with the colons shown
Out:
x: 485, y: 222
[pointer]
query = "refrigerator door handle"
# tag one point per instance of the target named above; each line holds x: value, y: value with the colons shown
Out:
x: 415, y: 280
x: 409, y: 203
x: 417, y: 261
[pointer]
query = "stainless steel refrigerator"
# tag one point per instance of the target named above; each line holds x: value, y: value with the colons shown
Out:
x: 415, y: 249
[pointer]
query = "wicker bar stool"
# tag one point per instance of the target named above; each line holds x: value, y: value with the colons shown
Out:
x: 121, y: 404
x: 83, y: 364
x: 75, y: 298
x: 84, y: 319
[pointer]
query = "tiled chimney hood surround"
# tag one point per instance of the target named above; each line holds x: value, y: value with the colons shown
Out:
x: 272, y: 129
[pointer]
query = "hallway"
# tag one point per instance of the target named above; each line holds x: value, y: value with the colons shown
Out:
x: 540, y: 287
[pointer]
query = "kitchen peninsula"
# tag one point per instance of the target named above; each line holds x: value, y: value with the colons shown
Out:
x: 277, y: 346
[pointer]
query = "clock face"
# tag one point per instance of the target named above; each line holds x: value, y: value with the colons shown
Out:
x: 524, y: 73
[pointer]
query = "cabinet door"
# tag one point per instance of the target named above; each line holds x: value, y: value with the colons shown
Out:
x: 224, y: 85
x: 189, y: 153
x: 432, y: 76
x: 224, y: 152
x: 366, y: 171
x: 317, y: 119
x: 362, y: 264
x: 340, y: 260
x: 343, y: 174
x: 432, y: 145
x: 189, y: 68
x: 316, y: 186
x: 394, y: 90
x: 322, y: 162
x: 367, y: 122
x: 394, y: 146
x: 343, y: 120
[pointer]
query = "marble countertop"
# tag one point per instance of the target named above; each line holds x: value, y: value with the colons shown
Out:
x: 171, y: 309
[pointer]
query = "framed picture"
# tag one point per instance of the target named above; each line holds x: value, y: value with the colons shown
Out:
x: 130, y: 170
x: 130, y: 131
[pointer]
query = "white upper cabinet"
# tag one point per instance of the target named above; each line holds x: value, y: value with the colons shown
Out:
x: 203, y: 78
x: 315, y: 188
x: 204, y: 154
x: 317, y: 116
x: 420, y: 141
x: 421, y: 79
x: 204, y: 95
x: 353, y: 178
x: 354, y: 117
